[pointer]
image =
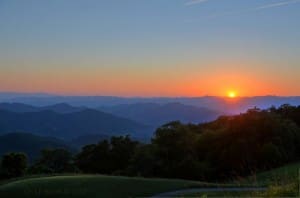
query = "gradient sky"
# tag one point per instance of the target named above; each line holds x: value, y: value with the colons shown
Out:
x: 150, y: 47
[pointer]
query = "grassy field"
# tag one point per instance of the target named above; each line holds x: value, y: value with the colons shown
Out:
x: 282, y: 175
x: 221, y: 194
x: 92, y: 186
x: 281, y: 181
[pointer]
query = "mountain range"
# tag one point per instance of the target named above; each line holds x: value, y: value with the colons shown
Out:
x: 30, y: 122
x: 30, y: 144
x: 69, y: 125
x: 88, y: 117
x: 84, y: 125
x: 220, y: 104
x: 25, y: 108
x: 158, y: 114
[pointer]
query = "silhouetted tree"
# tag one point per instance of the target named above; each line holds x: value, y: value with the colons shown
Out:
x: 107, y: 157
x: 144, y: 162
x: 13, y: 165
x: 175, y: 149
x: 122, y: 150
x: 95, y: 158
x: 54, y: 161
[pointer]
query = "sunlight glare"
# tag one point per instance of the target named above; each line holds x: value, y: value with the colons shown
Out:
x: 231, y: 94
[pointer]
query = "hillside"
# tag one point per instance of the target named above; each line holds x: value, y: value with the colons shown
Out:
x: 282, y: 181
x: 92, y: 186
x: 282, y: 175
x: 29, y: 144
x: 24, y: 108
x: 222, y: 104
x: 148, y: 113
x: 158, y: 114
x: 17, y: 107
x: 86, y: 139
x: 71, y: 125
x: 115, y: 186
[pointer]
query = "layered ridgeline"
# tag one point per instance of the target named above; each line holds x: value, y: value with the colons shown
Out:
x: 70, y: 125
x: 30, y: 144
x: 158, y: 114
x: 147, y: 113
x: 66, y: 121
x: 240, y: 104
x: 25, y: 108
x: 225, y: 149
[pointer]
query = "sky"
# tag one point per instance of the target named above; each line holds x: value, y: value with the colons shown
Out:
x: 150, y: 47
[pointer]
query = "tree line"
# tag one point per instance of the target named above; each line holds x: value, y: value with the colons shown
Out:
x: 229, y: 147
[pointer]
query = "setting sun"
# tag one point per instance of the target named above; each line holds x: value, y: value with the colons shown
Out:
x: 231, y: 94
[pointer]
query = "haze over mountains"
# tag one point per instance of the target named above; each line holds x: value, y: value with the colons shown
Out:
x: 30, y: 144
x: 66, y: 121
x: 69, y: 117
x: 158, y: 114
x: 220, y: 104
x: 35, y: 121
x: 24, y: 108
x: 69, y: 125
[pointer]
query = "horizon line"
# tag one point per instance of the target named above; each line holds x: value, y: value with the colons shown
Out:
x: 135, y: 96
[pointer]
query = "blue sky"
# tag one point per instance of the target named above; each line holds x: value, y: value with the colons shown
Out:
x: 150, y: 47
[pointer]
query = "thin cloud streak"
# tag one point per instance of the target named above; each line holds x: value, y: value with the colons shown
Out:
x: 279, y: 4
x: 263, y: 7
x: 194, y: 2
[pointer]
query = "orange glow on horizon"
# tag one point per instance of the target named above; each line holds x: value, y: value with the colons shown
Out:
x: 222, y: 77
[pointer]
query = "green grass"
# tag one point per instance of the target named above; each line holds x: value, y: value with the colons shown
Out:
x: 286, y: 190
x: 281, y: 181
x: 285, y: 173
x: 92, y: 186
x: 220, y: 194
x: 278, y: 176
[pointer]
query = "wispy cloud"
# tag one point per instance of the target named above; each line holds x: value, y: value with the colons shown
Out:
x: 194, y: 2
x: 278, y: 4
x: 254, y: 9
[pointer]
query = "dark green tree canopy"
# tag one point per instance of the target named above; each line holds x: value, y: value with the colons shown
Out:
x: 54, y: 161
x: 13, y: 165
